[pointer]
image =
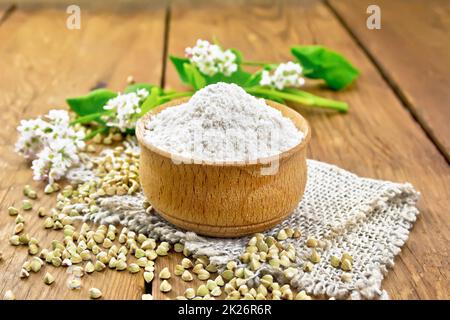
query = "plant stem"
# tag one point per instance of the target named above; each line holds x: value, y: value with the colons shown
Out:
x: 256, y: 63
x: 319, y: 101
x: 301, y: 97
x: 89, y: 117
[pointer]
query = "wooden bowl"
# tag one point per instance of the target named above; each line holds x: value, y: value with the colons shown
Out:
x: 228, y: 199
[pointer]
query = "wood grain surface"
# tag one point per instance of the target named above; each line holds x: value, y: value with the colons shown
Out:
x: 412, y: 51
x: 42, y: 63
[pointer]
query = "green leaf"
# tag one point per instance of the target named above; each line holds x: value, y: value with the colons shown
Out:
x: 137, y: 86
x: 90, y: 117
x: 322, y: 63
x: 151, y: 101
x: 239, y: 77
x: 254, y: 79
x: 239, y: 56
x: 195, y: 78
x: 179, y: 63
x: 91, y: 103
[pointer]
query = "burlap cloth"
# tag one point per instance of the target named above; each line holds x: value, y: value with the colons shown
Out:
x: 368, y: 218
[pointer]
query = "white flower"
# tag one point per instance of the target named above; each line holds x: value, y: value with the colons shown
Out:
x: 210, y: 59
x: 61, y: 128
x: 286, y: 75
x: 53, y: 144
x: 51, y: 163
x: 266, y: 79
x: 126, y: 109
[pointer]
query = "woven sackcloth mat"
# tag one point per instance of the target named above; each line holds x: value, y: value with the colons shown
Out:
x: 368, y: 218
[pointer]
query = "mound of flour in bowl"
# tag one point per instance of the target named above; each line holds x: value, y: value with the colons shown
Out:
x: 222, y: 122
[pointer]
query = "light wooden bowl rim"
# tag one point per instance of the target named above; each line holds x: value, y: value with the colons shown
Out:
x: 285, y: 110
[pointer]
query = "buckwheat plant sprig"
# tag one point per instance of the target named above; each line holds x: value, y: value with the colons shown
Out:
x: 124, y: 110
x: 285, y: 75
x: 211, y: 59
x: 51, y: 143
x: 111, y: 115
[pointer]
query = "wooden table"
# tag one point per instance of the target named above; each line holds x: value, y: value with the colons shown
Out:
x: 397, y: 127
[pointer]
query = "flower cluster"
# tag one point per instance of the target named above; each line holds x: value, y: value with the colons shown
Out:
x: 210, y: 59
x: 125, y: 109
x: 51, y: 143
x: 285, y: 75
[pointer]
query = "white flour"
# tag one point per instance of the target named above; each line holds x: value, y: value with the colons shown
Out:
x: 221, y: 122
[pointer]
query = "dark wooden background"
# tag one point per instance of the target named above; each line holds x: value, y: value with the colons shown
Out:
x: 397, y: 127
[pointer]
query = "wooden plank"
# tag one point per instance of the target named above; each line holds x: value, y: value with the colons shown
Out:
x: 42, y: 63
x: 378, y: 138
x: 411, y: 48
